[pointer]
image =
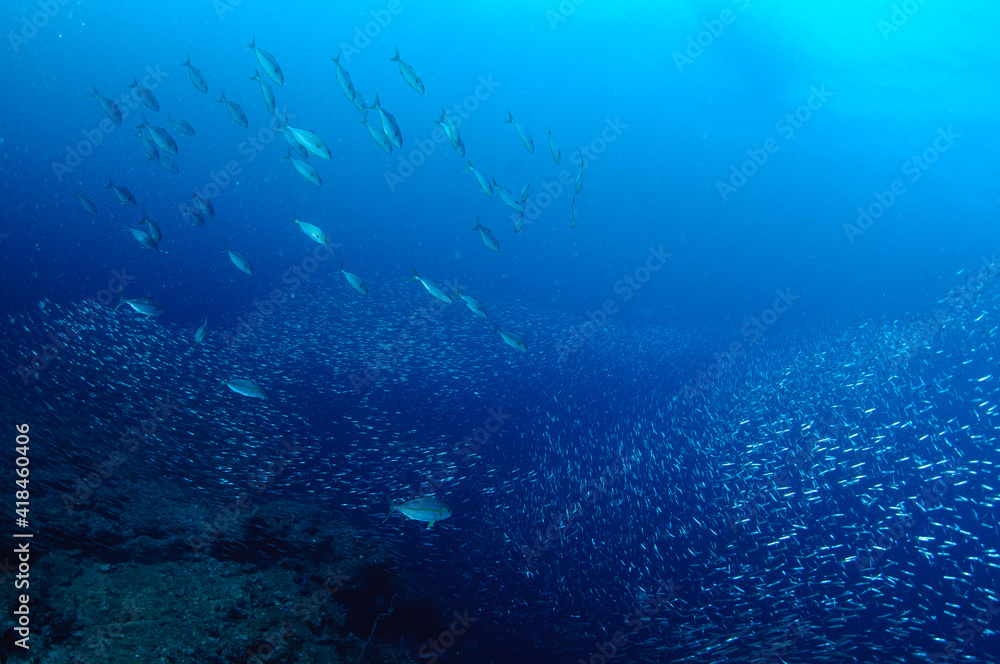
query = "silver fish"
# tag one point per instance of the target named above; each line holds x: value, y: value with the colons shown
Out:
x: 486, y: 235
x: 235, y: 112
x: 572, y: 223
x: 247, y: 388
x: 181, y: 126
x: 266, y: 91
x: 196, y: 78
x: 409, y: 75
x: 145, y: 95
x: 426, y: 509
x: 108, y: 106
x: 152, y: 152
x: 354, y: 280
x: 508, y: 197
x: 579, y: 178
x: 554, y: 149
x: 378, y: 135
x: 431, y: 287
x: 146, y: 306
x: 344, y: 81
x: 203, y: 204
x: 87, y: 204
x: 160, y: 136
x: 484, y: 184
x: 167, y: 164
x: 310, y: 141
x: 124, y: 195
x: 388, y: 124
x: 154, y: 227
x: 314, y: 233
x: 304, y: 169
x: 529, y: 144
x: 511, y: 339
x: 239, y: 260
x: 472, y: 303
x: 143, y: 238
x: 201, y: 332
x: 267, y: 63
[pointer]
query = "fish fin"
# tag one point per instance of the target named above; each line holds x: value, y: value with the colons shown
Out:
x: 395, y: 58
x: 110, y: 184
x: 93, y: 94
x: 392, y: 508
x: 223, y: 97
x: 415, y: 277
x: 288, y: 155
x: 256, y: 75
x: 253, y: 42
x: 510, y: 118
x: 479, y: 224
x: 429, y: 524
x: 134, y: 83
x: 337, y: 59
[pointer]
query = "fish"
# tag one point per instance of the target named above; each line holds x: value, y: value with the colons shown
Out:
x: 181, y: 126
x: 143, y: 238
x: 145, y: 95
x: 508, y: 197
x: 168, y: 164
x: 512, y: 339
x: 148, y: 146
x: 472, y: 303
x: 409, y: 75
x: 267, y: 63
x: 124, y: 195
x: 201, y: 332
x: 265, y: 91
x: 203, y: 204
x: 109, y: 107
x: 524, y: 192
x: 154, y: 227
x: 427, y: 509
x: 295, y: 146
x: 193, y: 216
x: 486, y: 235
x: 354, y: 280
x: 146, y: 306
x: 235, y: 112
x: 310, y: 141
x: 451, y: 131
x: 87, y: 204
x: 529, y: 144
x: 431, y: 287
x: 160, y: 136
x: 519, y: 224
x: 239, y: 260
x: 245, y: 387
x: 196, y: 78
x: 388, y: 124
x: 572, y: 223
x: 314, y: 233
x: 304, y: 169
x: 378, y: 135
x: 483, y: 182
x: 579, y: 178
x: 554, y: 149
x: 344, y: 81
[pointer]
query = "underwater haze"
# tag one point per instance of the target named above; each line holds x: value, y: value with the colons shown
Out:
x: 567, y: 331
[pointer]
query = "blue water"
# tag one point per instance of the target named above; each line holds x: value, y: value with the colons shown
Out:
x: 868, y: 106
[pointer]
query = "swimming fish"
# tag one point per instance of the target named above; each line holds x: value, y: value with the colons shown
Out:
x: 486, y: 235
x: 203, y: 204
x: 427, y: 509
x: 160, y: 136
x: 472, y: 303
x: 181, y: 126
x: 87, y: 204
x: 167, y: 163
x: 304, y: 169
x: 235, y: 112
x: 484, y: 184
x: 315, y: 233
x: 579, y: 178
x: 109, y: 106
x: 508, y: 197
x: 354, y: 280
x: 239, y: 260
x: 196, y: 78
x: 247, y: 388
x: 524, y: 192
x: 388, y: 124
x: 529, y: 144
x: 143, y: 238
x: 344, y: 81
x: 431, y: 287
x: 124, y: 195
x: 310, y: 141
x: 154, y: 227
x: 409, y: 75
x: 146, y: 306
x: 451, y: 131
x: 201, y: 332
x: 378, y: 135
x: 148, y: 146
x: 512, y: 339
x: 145, y: 95
x: 267, y: 63
x: 554, y: 149
x: 266, y: 91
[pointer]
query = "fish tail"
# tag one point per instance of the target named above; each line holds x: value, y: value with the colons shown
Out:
x: 288, y: 155
x: 256, y: 75
x: 496, y: 328
x: 510, y: 118
x: 93, y: 94
x: 479, y: 224
x: 187, y: 61
x: 253, y: 42
x: 110, y: 184
x: 134, y: 83
x: 415, y: 276
x: 337, y: 59
x: 223, y: 97
x: 395, y: 58
x: 392, y: 508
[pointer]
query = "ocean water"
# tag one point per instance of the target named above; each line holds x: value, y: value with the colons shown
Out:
x: 731, y: 398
